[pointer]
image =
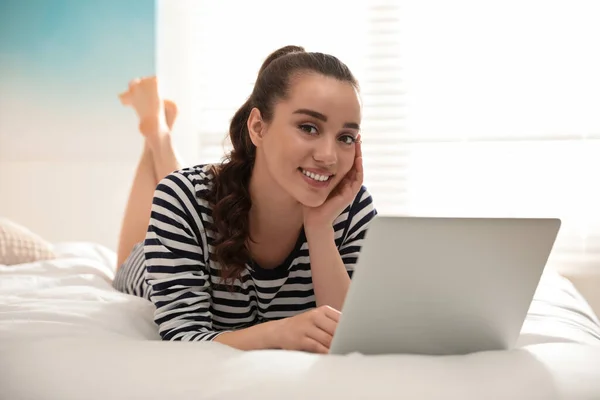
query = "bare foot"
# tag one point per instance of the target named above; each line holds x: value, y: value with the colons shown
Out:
x: 156, y: 115
x: 170, y: 113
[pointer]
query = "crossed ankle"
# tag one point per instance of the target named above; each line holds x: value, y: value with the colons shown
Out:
x: 159, y: 142
x: 153, y: 127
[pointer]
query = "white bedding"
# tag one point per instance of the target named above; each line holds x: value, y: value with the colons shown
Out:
x: 66, y: 334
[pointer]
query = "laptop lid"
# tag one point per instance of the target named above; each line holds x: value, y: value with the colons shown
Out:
x: 426, y: 285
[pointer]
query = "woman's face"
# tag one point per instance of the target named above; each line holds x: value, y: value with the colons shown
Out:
x: 309, y: 146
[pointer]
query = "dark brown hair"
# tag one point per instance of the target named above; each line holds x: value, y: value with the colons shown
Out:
x: 230, y: 195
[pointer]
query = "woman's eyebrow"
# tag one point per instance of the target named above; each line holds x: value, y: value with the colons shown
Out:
x: 318, y: 115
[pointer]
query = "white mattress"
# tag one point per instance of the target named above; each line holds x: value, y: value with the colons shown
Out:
x: 66, y: 334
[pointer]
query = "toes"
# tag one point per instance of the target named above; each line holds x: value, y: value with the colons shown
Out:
x: 133, y: 83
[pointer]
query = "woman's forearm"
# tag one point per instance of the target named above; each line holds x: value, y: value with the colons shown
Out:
x: 330, y: 278
x: 258, y: 337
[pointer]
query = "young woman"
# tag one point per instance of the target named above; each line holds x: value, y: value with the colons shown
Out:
x: 256, y: 252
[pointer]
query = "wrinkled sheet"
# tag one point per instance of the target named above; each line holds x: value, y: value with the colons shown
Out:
x: 65, y: 333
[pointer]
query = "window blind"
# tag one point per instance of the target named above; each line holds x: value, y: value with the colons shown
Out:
x: 469, y: 108
x: 502, y: 117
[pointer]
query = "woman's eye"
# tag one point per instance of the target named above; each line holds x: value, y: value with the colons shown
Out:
x: 348, y: 139
x: 308, y: 129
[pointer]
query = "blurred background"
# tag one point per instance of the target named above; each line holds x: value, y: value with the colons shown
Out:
x: 471, y: 108
x: 67, y: 147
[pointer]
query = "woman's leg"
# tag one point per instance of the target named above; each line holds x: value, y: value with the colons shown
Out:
x: 139, y: 203
x: 157, y: 161
x: 164, y: 157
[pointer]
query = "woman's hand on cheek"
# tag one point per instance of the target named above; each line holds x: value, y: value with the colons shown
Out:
x: 339, y: 198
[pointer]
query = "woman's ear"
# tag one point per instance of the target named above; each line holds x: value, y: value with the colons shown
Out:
x: 256, y: 127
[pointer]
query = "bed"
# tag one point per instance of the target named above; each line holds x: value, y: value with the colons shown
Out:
x: 66, y: 334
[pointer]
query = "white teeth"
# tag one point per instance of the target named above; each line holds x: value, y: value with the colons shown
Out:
x: 316, y: 177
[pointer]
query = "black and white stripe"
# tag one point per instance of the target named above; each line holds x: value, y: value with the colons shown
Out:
x: 179, y: 277
x: 131, y: 277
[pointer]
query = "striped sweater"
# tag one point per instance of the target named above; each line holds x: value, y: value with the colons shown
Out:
x: 192, y: 303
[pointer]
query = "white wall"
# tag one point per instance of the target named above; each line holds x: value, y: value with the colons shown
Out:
x: 66, y: 166
x: 65, y: 169
x: 66, y: 200
x: 74, y: 190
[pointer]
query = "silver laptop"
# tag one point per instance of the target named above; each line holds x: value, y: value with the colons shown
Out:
x: 443, y: 286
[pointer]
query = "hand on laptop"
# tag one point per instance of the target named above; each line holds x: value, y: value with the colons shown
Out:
x: 310, y: 331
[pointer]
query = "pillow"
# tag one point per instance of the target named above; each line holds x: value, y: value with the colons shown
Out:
x: 18, y: 245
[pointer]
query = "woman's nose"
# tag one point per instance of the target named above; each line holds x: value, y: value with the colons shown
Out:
x: 325, y: 151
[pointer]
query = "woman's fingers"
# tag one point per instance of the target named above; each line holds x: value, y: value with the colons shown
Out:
x: 358, y: 147
x: 331, y: 313
x: 358, y: 165
x: 358, y: 169
x: 314, y: 346
x: 320, y: 336
x: 326, y: 324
